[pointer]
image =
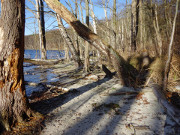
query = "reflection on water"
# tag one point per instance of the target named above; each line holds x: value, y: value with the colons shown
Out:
x: 37, y: 74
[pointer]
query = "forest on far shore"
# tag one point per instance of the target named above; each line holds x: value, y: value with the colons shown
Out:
x: 54, y: 41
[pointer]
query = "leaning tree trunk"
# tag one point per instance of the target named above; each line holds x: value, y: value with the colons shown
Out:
x: 13, y: 103
x: 69, y: 42
x: 124, y: 70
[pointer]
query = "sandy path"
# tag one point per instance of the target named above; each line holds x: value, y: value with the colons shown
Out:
x: 94, y: 110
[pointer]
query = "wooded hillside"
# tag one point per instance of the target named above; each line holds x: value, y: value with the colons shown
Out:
x: 54, y: 41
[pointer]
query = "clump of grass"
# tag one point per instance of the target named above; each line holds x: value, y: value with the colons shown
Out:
x: 156, y: 72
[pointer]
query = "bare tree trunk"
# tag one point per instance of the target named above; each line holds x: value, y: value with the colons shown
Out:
x: 142, y: 24
x: 168, y: 18
x: 86, y: 60
x: 170, y: 50
x: 114, y: 25
x: 94, y: 26
x: 69, y: 42
x: 157, y: 30
x: 122, y: 36
x: 81, y: 47
x: 134, y: 23
x: 81, y: 9
x: 13, y: 102
x: 66, y: 49
x: 76, y: 36
x: 93, y: 18
x: 41, y: 23
x: 105, y: 6
x: 121, y: 66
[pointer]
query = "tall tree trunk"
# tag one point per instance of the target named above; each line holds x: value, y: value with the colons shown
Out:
x: 122, y: 36
x: 41, y: 23
x: 141, y: 25
x: 81, y: 51
x: 121, y: 66
x: 134, y: 23
x: 86, y: 60
x: 168, y: 17
x: 94, y: 26
x: 105, y: 7
x: 13, y: 103
x: 114, y: 25
x: 157, y: 29
x: 69, y: 42
x: 170, y: 50
x: 76, y: 36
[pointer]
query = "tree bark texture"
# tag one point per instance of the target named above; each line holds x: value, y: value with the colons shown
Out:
x: 122, y: 67
x: 13, y: 103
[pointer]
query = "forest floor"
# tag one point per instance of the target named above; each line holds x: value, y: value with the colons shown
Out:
x: 90, y: 104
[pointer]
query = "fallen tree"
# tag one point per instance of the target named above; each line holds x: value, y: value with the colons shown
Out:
x: 43, y: 62
x: 126, y: 72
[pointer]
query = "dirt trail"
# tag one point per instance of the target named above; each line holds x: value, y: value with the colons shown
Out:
x: 93, y: 105
x: 100, y: 108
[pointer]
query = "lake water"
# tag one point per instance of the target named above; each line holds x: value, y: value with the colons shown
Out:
x: 36, y: 74
x: 51, y: 54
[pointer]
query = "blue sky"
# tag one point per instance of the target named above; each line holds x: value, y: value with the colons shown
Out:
x: 50, y: 21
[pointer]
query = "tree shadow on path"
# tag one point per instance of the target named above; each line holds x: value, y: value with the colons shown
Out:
x: 47, y: 105
x: 93, y: 118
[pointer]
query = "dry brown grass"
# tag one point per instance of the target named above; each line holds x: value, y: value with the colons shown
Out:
x: 174, y: 74
x: 156, y: 71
